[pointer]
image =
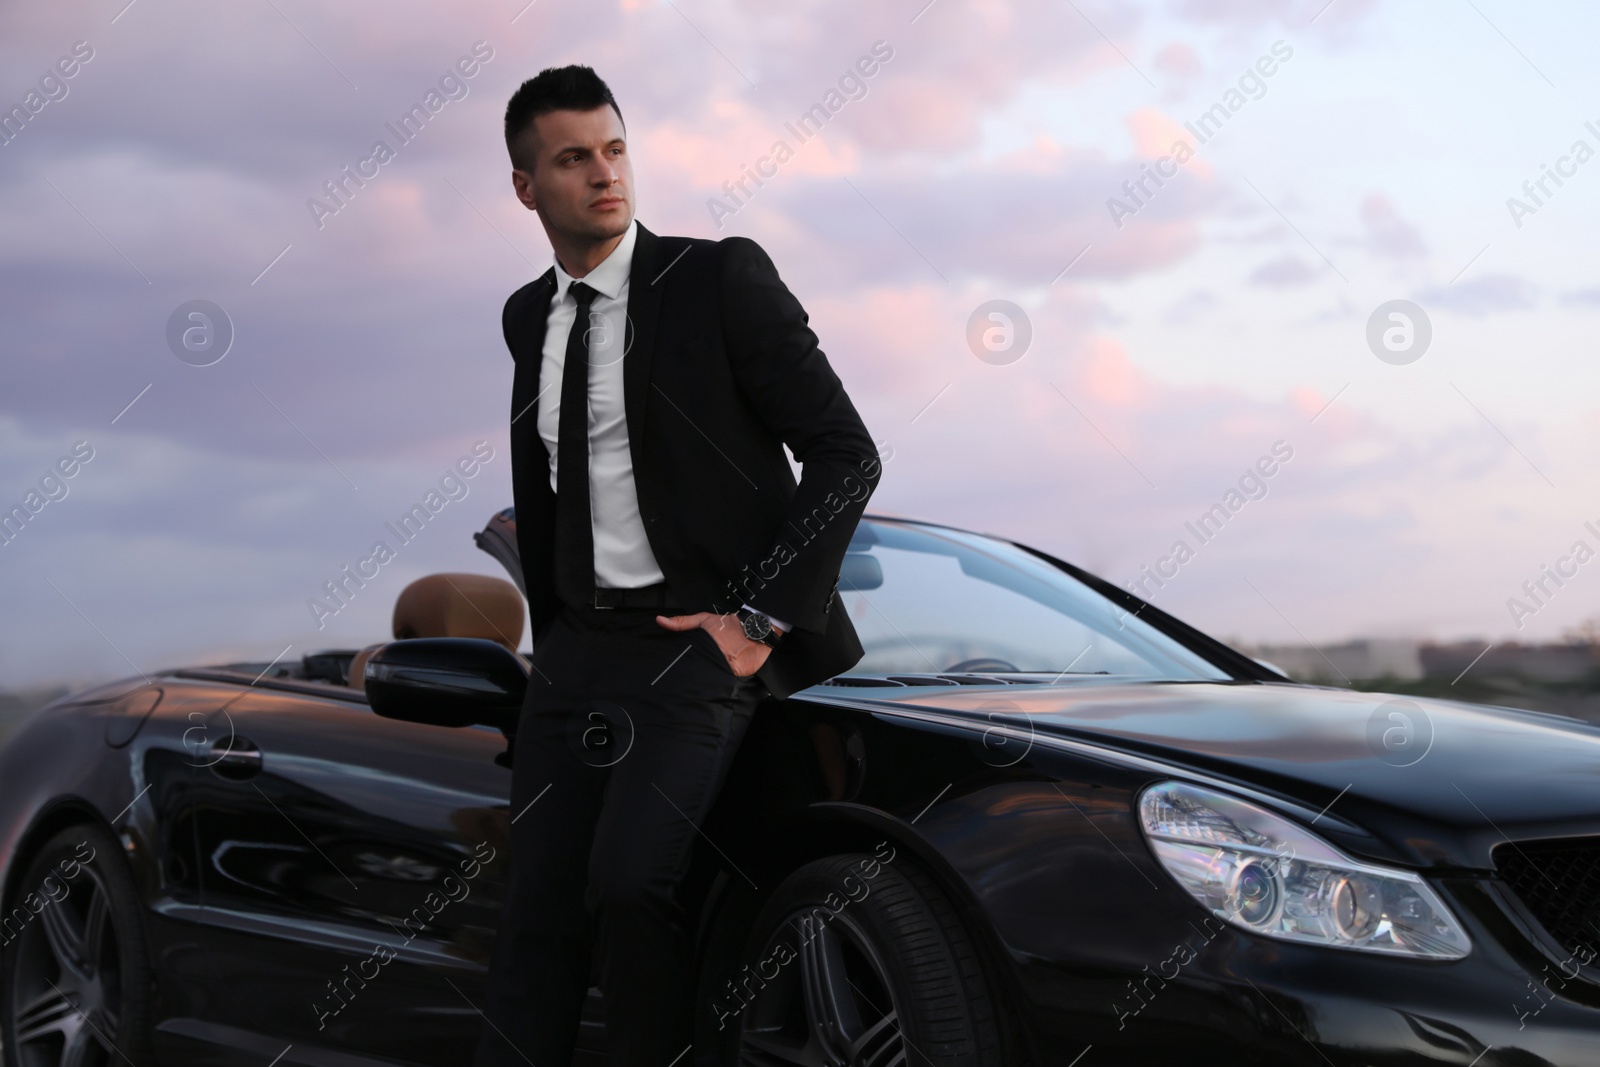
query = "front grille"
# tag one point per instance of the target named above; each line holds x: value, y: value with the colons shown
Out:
x: 1559, y: 882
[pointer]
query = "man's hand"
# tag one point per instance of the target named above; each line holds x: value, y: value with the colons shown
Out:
x: 744, y: 656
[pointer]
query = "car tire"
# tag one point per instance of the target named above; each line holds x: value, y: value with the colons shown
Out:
x: 859, y: 960
x: 75, y: 979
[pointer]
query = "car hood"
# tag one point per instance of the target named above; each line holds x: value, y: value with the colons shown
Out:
x: 1433, y: 782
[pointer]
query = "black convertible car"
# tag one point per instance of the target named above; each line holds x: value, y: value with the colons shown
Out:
x: 1041, y: 823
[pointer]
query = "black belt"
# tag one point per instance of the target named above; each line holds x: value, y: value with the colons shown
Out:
x: 642, y: 598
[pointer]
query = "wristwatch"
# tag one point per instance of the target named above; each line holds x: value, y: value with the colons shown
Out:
x: 757, y: 627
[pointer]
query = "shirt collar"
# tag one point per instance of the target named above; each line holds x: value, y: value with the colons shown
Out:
x: 609, y: 276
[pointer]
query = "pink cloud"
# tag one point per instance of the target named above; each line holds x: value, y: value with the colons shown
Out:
x: 1110, y: 378
x: 1179, y: 60
x: 1155, y: 135
x: 1389, y: 235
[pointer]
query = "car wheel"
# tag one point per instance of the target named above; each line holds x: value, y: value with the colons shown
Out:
x: 856, y: 961
x: 76, y: 980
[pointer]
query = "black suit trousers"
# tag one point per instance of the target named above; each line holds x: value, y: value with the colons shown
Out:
x: 624, y: 740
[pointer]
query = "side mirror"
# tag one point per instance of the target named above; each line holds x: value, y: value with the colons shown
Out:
x: 447, y: 681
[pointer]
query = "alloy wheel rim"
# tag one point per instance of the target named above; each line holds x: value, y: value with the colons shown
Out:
x: 830, y: 1005
x: 66, y: 981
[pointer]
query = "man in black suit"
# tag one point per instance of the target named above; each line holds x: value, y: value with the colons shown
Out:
x: 676, y: 573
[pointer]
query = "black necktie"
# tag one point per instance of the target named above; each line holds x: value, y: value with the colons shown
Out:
x: 574, y: 545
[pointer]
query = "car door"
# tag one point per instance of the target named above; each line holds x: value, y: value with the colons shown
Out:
x: 352, y: 872
x: 147, y: 730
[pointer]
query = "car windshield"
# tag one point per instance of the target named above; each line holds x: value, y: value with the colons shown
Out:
x: 927, y: 599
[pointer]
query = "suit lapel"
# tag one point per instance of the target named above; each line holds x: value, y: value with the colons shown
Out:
x: 531, y: 322
x: 644, y: 312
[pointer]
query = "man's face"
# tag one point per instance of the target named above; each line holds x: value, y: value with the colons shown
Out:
x: 582, y: 179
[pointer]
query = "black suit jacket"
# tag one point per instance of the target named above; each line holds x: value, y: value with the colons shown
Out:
x: 721, y: 371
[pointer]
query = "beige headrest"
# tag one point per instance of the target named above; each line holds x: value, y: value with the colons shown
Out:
x: 460, y: 605
x: 451, y: 605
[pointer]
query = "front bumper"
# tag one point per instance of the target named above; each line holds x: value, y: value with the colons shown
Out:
x: 1223, y: 996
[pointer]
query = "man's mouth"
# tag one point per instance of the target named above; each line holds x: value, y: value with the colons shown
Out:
x: 610, y: 201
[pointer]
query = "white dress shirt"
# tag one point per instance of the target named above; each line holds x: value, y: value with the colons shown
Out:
x: 622, y: 555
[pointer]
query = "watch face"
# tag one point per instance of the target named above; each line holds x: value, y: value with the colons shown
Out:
x: 757, y: 626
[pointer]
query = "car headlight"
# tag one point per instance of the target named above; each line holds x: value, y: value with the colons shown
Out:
x: 1264, y: 874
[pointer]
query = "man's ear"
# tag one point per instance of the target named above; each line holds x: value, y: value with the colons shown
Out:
x: 522, y: 182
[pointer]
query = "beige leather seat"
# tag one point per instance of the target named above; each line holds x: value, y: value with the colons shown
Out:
x: 452, y: 605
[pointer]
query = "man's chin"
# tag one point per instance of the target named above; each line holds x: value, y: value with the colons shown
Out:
x: 598, y: 227
x: 612, y: 224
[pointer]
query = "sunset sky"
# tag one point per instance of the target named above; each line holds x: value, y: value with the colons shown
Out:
x: 1176, y: 337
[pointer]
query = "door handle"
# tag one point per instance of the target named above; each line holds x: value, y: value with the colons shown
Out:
x: 235, y: 757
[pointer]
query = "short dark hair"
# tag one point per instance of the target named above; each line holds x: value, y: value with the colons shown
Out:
x: 572, y: 88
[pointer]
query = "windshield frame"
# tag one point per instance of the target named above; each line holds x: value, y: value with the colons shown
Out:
x: 1236, y: 665
x: 499, y: 539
